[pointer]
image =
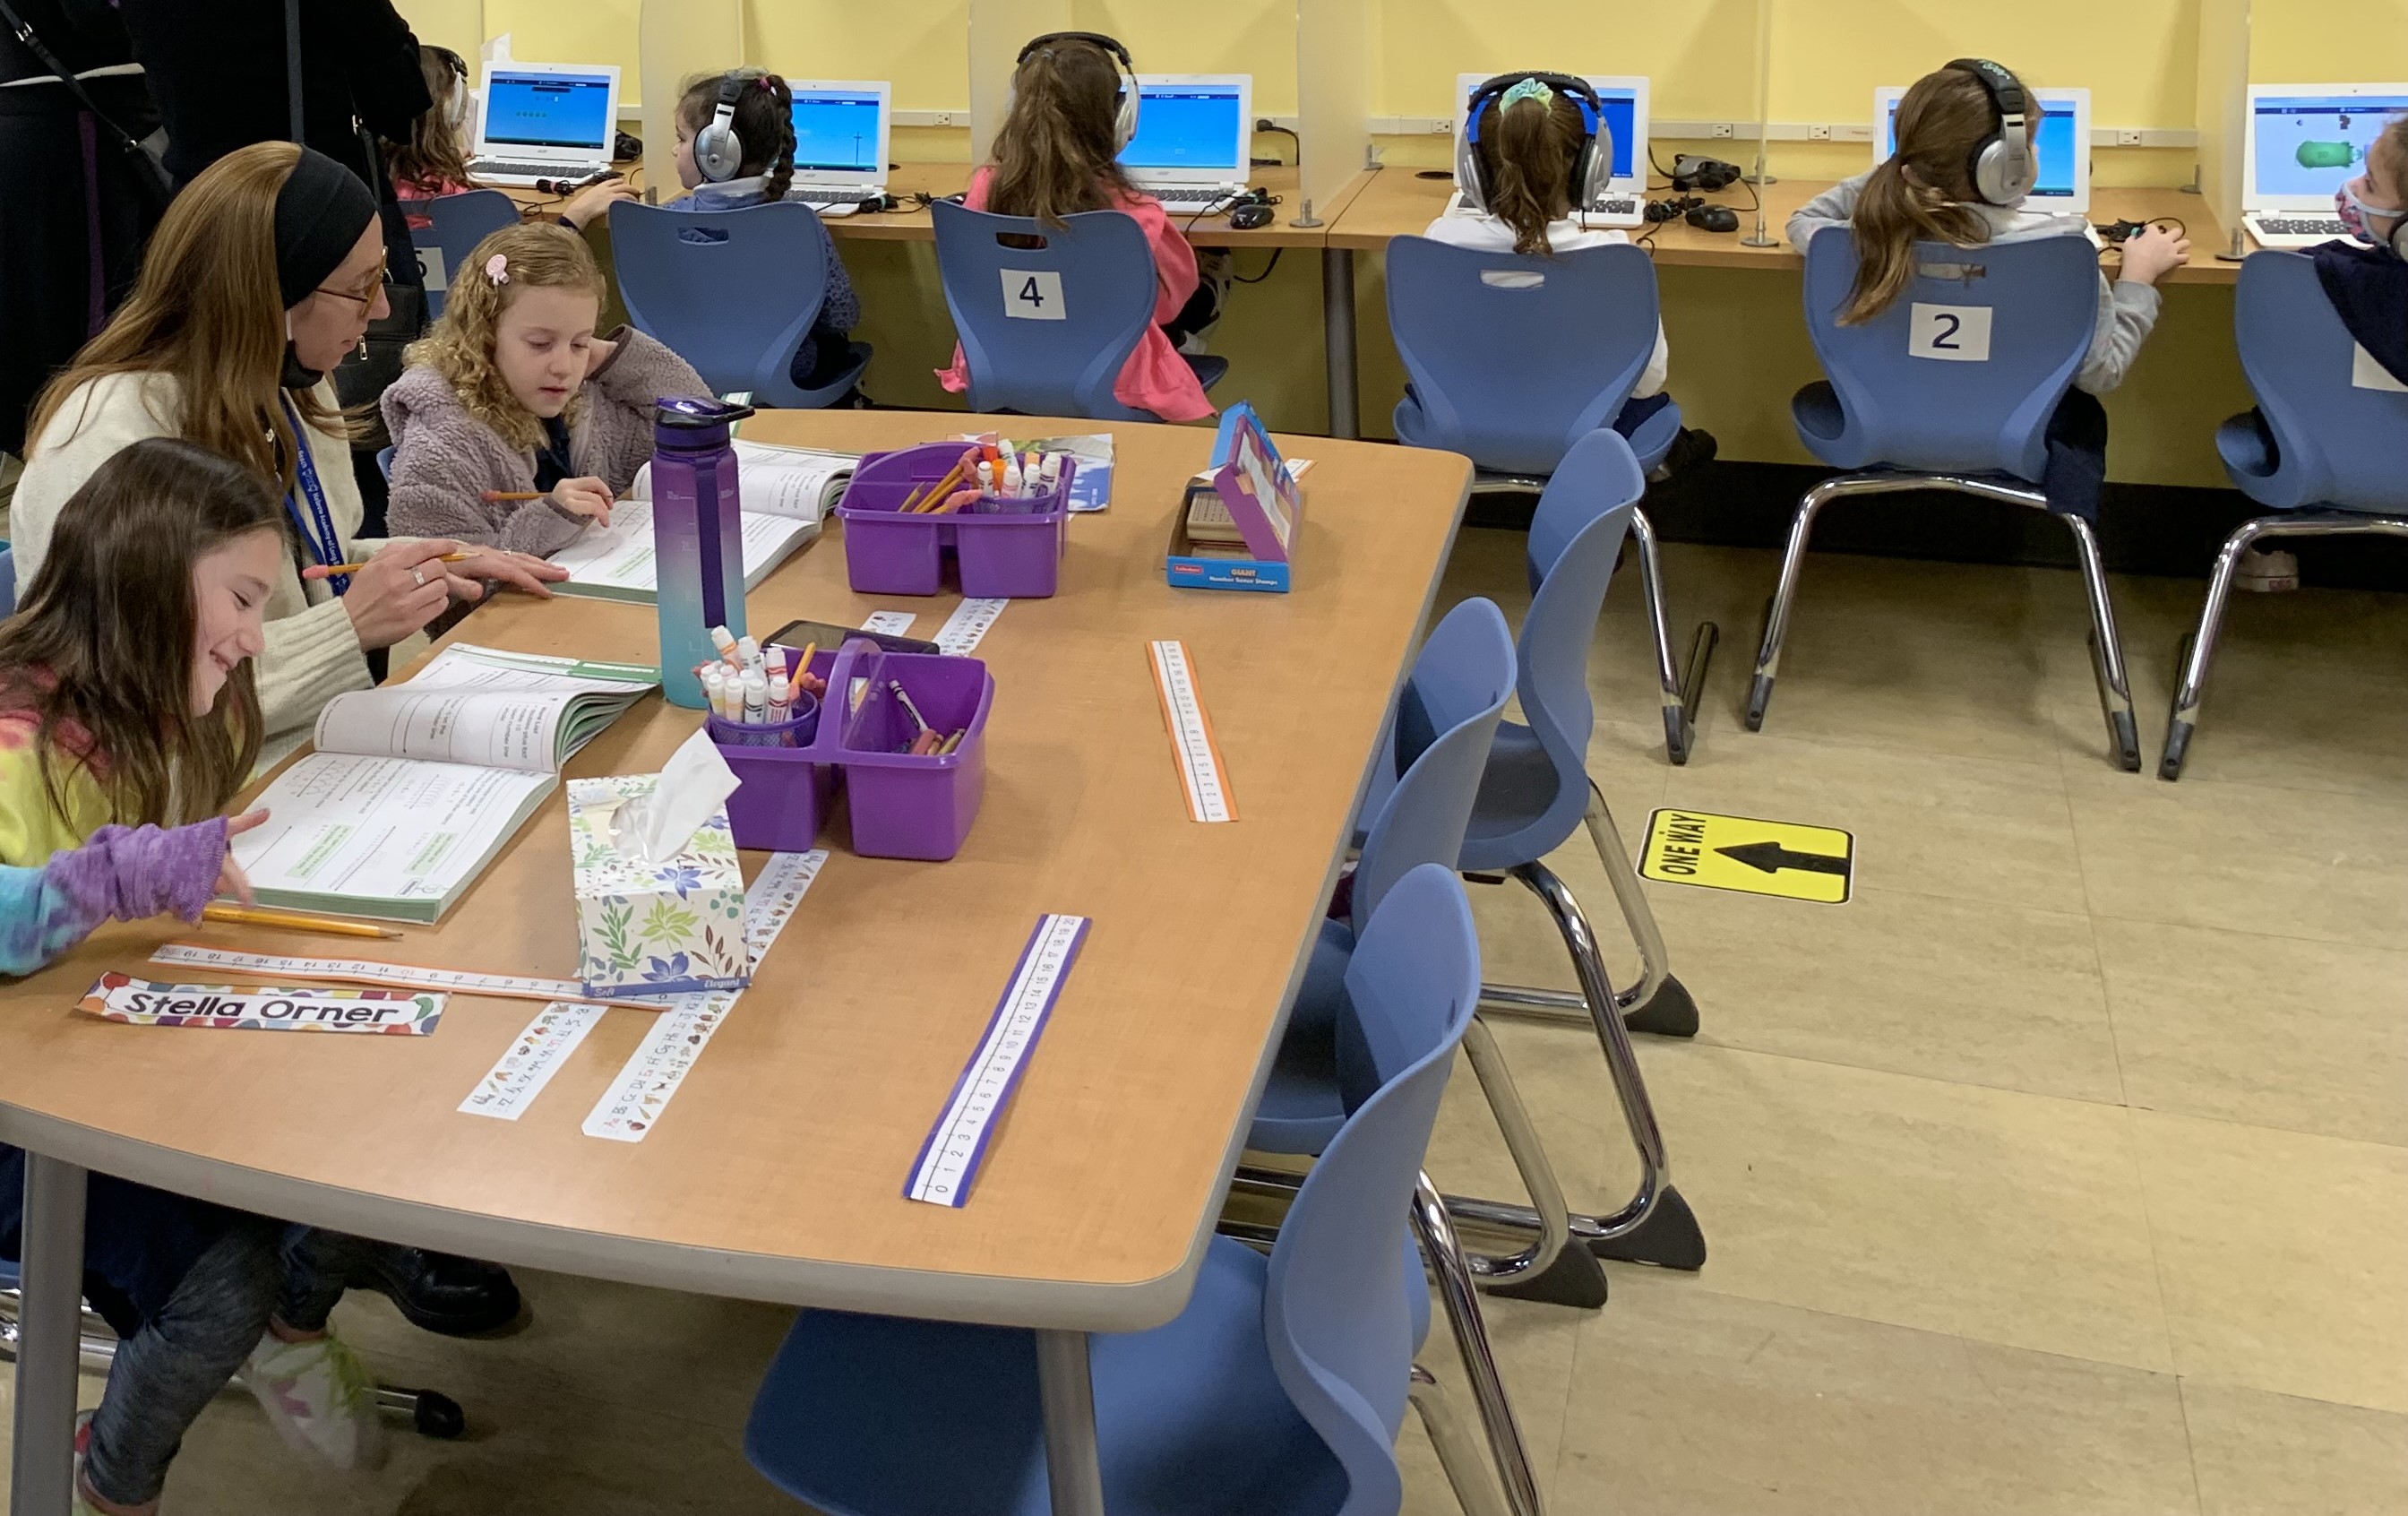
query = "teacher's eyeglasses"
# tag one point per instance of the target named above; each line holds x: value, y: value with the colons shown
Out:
x: 372, y: 287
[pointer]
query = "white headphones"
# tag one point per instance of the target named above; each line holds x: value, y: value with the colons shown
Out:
x: 461, y: 106
x: 2001, y: 166
x: 1125, y: 114
x: 718, y: 152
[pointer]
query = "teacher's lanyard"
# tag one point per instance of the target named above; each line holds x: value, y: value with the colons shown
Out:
x: 319, y: 531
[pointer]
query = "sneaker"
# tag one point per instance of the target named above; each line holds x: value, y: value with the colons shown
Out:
x: 1689, y: 450
x: 2268, y: 571
x: 79, y: 1502
x: 318, y: 1396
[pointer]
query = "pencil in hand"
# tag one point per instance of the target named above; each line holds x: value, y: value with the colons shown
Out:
x: 495, y: 497
x: 353, y: 569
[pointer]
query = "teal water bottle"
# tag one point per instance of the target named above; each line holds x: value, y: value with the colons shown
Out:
x: 698, y: 536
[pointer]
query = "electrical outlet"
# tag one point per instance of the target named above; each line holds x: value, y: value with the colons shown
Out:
x: 1820, y: 132
x: 1722, y: 129
x: 2128, y: 136
x: 942, y: 118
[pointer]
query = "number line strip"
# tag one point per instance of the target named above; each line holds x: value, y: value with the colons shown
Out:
x: 1202, y: 774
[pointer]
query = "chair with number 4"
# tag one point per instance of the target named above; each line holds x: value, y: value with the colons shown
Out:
x: 2322, y: 451
x: 1952, y: 387
x: 1048, y: 315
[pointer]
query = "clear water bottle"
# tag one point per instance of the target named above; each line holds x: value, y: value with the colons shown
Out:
x: 698, y: 536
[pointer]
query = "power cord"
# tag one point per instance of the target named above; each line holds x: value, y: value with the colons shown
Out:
x: 1265, y: 124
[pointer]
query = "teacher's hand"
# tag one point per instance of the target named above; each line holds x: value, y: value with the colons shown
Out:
x: 519, y: 570
x: 397, y: 591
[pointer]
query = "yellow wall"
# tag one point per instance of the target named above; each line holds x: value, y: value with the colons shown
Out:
x: 2295, y: 42
x: 1225, y: 36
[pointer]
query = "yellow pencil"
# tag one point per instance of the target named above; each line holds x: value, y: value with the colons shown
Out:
x: 293, y: 921
x: 353, y: 569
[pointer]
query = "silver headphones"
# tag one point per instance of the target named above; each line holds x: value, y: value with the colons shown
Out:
x: 718, y: 152
x: 2002, y: 167
x: 1592, y: 170
x: 462, y: 104
x: 1125, y: 115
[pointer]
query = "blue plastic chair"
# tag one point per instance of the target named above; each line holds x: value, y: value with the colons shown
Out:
x: 8, y: 581
x: 2322, y: 451
x: 384, y: 462
x: 678, y: 270
x: 1281, y: 1388
x: 1045, y: 330
x: 1895, y: 421
x: 1494, y: 378
x: 461, y: 221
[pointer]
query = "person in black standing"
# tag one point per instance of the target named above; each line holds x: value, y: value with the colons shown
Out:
x: 74, y: 218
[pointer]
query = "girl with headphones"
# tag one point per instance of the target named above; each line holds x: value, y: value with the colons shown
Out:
x: 1964, y: 163
x: 1074, y: 107
x: 435, y: 161
x: 736, y: 148
x: 1533, y: 151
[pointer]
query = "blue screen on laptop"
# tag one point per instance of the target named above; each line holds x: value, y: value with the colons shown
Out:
x: 2055, y: 145
x: 837, y: 131
x: 1187, y: 126
x: 549, y: 111
x: 2314, y: 144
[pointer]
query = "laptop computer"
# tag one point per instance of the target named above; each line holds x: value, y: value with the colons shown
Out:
x: 2301, y: 142
x: 1194, y: 138
x: 1624, y: 203
x: 545, y: 121
x: 2062, y: 146
x: 841, y: 127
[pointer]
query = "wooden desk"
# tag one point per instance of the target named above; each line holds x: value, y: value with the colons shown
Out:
x: 777, y: 1173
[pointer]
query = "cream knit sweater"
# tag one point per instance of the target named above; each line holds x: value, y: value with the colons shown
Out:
x: 312, y: 654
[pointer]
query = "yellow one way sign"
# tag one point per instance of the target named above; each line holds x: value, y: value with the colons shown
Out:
x: 1749, y: 855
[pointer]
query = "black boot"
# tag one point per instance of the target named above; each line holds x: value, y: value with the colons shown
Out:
x: 455, y: 1296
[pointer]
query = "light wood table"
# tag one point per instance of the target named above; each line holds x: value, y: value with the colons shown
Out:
x: 778, y: 1171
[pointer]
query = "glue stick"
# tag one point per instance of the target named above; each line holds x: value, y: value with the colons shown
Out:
x: 757, y: 697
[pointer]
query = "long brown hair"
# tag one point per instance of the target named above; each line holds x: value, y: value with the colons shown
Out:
x: 434, y: 155
x: 206, y: 313
x: 764, y: 122
x: 1920, y: 191
x: 536, y: 255
x: 1055, y: 154
x: 1526, y: 161
x: 101, y: 646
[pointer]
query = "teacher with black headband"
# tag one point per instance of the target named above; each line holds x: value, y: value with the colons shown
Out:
x: 263, y: 273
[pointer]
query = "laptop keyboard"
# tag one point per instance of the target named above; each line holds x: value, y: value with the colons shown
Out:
x: 2298, y: 226
x: 495, y: 167
x: 825, y: 195
x: 1207, y: 198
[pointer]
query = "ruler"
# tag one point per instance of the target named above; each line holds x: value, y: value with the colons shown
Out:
x: 632, y: 1106
x: 278, y: 968
x: 889, y: 623
x: 1191, y: 734
x: 949, y: 1160
x: 535, y: 1057
x: 967, y: 625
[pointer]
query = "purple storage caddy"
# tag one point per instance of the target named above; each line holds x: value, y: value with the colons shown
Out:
x: 1010, y: 551
x: 784, y: 798
x: 904, y: 807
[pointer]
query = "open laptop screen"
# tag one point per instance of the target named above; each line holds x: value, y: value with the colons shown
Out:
x: 1189, y: 126
x: 549, y: 111
x: 837, y: 131
x: 2056, y: 146
x: 2313, y: 144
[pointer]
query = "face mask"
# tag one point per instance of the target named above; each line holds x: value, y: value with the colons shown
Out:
x: 2360, y: 217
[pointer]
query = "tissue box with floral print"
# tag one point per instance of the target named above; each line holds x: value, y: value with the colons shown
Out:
x: 653, y: 928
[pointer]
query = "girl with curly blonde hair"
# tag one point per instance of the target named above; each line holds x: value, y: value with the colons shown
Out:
x: 512, y: 392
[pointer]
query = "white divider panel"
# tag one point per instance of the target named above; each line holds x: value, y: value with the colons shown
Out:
x: 2223, y: 103
x: 1333, y: 96
x: 678, y: 38
x: 999, y: 30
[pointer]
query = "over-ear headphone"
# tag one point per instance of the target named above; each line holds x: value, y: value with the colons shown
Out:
x: 718, y: 152
x: 2001, y: 166
x: 1124, y: 112
x: 1592, y: 170
x: 461, y: 105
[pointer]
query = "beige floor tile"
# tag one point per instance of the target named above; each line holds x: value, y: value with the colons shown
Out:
x: 1968, y: 828
x: 2261, y: 1454
x: 2309, y: 1036
x: 2285, y: 1257
x: 1990, y: 994
x: 2246, y: 857
x: 1686, y: 1402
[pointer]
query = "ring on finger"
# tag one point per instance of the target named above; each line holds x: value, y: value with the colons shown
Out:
x: 420, y: 575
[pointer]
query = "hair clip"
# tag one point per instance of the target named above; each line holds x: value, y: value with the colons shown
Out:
x: 497, y: 269
x: 769, y: 83
x: 1528, y: 88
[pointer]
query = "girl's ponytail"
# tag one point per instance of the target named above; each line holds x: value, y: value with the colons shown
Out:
x: 1526, y: 156
x: 780, y: 175
x: 1056, y: 154
x: 1918, y: 194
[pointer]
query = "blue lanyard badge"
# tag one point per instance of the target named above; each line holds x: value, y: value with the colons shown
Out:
x: 318, y: 529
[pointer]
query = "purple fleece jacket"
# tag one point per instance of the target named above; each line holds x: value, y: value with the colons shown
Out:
x: 444, y: 459
x: 127, y: 873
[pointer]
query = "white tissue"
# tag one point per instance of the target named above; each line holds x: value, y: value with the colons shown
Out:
x: 695, y: 784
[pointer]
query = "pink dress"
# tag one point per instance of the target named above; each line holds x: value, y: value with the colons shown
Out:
x: 1155, y: 377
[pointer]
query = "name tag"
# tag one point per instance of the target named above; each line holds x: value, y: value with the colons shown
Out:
x: 1033, y: 295
x: 1952, y: 334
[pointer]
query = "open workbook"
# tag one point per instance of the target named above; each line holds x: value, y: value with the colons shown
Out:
x: 415, y: 787
x: 787, y: 492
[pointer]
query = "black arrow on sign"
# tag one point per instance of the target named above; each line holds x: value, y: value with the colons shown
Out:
x: 1773, y: 858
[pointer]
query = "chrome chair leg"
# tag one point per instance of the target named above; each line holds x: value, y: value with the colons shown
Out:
x: 1461, y: 1302
x: 1457, y: 1453
x: 2106, y: 649
x: 1530, y: 1157
x: 1655, y: 1225
x: 1682, y: 689
x: 1784, y: 594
